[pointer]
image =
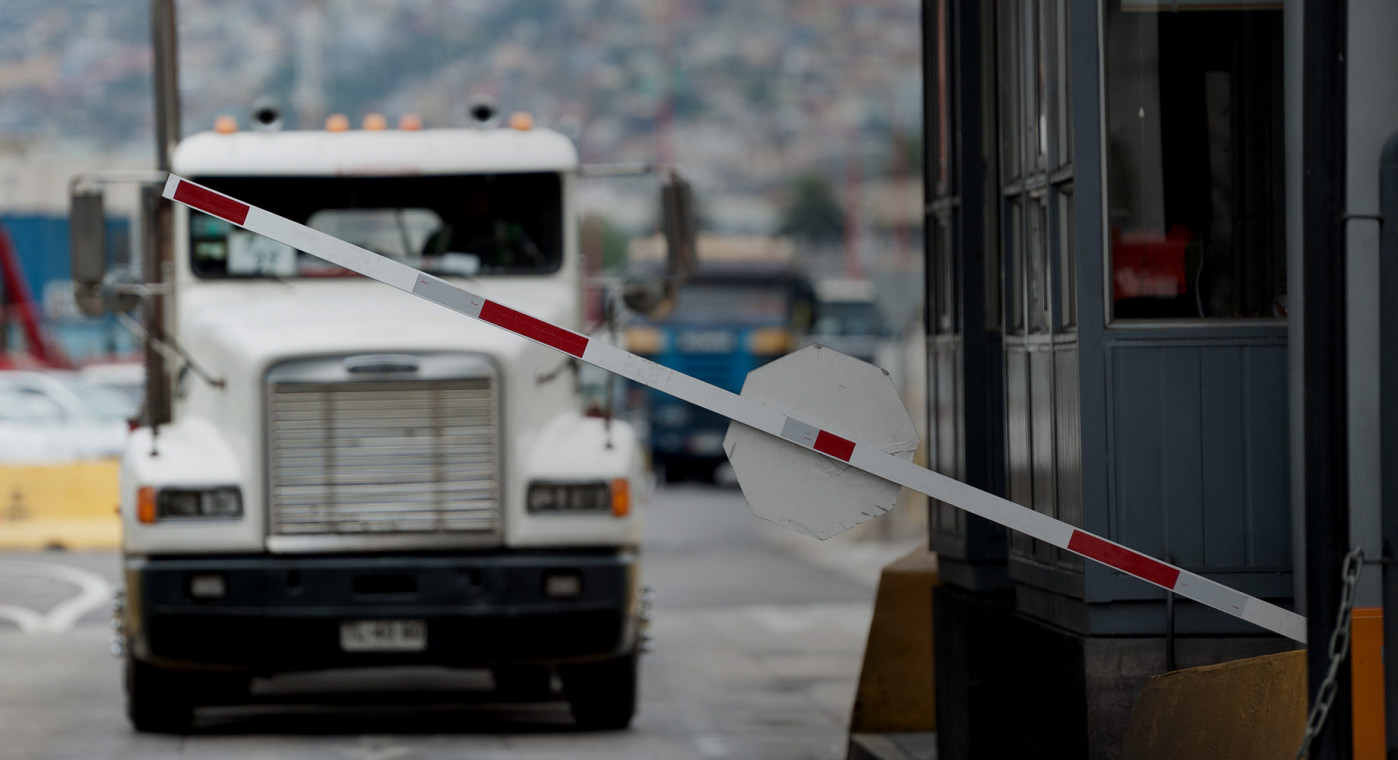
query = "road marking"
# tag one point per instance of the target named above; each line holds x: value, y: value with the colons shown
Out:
x: 745, y: 411
x: 712, y: 745
x: 93, y: 593
x: 28, y: 620
x: 788, y: 619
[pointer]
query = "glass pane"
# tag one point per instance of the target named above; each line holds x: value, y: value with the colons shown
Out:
x: 993, y: 288
x: 1014, y: 252
x: 943, y: 285
x: 1067, y: 260
x: 1065, y: 84
x: 1038, y: 126
x: 1009, y: 76
x: 943, y: 117
x: 1037, y: 259
x: 947, y: 289
x: 1194, y: 120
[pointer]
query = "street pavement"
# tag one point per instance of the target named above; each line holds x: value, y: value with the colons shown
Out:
x: 759, y: 634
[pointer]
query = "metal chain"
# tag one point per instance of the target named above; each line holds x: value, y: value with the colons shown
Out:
x: 1339, y: 647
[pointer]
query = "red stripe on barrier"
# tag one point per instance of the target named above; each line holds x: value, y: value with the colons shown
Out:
x: 834, y: 445
x: 1123, y: 559
x: 520, y: 323
x: 211, y: 202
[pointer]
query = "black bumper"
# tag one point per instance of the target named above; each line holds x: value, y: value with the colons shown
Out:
x: 283, y: 613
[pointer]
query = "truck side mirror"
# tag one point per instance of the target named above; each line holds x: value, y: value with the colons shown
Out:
x: 120, y: 290
x: 87, y: 249
x: 651, y: 297
x: 677, y: 221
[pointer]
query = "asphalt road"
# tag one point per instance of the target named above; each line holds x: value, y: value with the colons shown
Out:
x: 759, y: 635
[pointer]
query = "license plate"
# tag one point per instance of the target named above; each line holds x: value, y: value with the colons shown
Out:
x: 383, y: 635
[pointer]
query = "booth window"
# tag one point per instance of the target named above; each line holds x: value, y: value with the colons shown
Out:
x: 1036, y: 169
x: 1195, y: 160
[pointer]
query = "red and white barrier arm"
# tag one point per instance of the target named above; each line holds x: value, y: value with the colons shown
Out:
x: 746, y: 411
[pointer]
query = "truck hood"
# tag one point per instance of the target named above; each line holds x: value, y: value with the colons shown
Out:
x: 253, y: 325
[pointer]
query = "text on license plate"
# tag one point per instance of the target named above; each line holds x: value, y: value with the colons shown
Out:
x: 383, y: 635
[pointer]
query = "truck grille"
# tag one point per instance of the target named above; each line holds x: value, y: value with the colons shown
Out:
x: 374, y: 458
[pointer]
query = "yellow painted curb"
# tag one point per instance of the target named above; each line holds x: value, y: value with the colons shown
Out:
x: 1253, y: 709
x: 896, y: 691
x: 71, y: 505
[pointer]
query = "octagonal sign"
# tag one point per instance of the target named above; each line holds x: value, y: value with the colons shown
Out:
x: 802, y: 489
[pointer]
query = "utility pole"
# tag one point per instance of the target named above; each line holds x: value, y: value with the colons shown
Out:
x: 1325, y: 371
x: 158, y: 248
x: 308, y: 92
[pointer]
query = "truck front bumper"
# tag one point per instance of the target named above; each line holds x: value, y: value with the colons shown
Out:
x: 284, y: 613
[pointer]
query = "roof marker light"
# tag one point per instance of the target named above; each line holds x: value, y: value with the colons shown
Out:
x: 410, y: 122
x: 522, y: 121
x: 375, y: 122
x: 337, y: 122
x: 226, y: 124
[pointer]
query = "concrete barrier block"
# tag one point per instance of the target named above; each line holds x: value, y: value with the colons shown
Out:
x: 896, y: 689
x: 1251, y: 709
x: 71, y: 506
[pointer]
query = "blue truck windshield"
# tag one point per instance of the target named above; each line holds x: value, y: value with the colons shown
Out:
x: 733, y: 301
x: 445, y: 225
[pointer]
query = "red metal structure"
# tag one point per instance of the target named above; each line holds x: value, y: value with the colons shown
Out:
x: 16, y: 302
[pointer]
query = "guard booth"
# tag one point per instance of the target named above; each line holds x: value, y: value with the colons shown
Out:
x: 1107, y: 344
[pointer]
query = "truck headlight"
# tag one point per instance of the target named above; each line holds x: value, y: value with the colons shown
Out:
x: 224, y: 503
x: 644, y: 340
x: 595, y: 497
x: 770, y: 340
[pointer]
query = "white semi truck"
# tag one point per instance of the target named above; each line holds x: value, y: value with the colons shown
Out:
x: 347, y: 476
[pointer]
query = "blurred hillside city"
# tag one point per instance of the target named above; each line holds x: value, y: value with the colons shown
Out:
x: 746, y: 96
x: 793, y: 117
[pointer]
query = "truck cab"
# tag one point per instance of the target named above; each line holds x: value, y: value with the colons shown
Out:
x: 353, y: 477
x: 745, y: 304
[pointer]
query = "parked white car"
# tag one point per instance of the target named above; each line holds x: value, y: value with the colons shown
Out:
x: 127, y: 378
x: 54, y: 417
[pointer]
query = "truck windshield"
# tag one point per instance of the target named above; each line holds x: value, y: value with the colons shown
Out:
x: 849, y: 318
x: 753, y: 301
x: 445, y: 225
x: 756, y: 297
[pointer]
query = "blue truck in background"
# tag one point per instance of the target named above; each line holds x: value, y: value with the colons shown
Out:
x: 729, y: 318
x: 41, y: 243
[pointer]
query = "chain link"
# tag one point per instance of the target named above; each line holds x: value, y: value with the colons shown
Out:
x: 1339, y: 647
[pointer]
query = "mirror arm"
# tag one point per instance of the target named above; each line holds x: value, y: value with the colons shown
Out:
x: 634, y: 169
x: 169, y: 347
x: 142, y: 290
x: 98, y: 179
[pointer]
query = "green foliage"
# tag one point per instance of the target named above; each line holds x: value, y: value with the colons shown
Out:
x: 812, y: 213
x: 907, y: 155
x: 758, y: 90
